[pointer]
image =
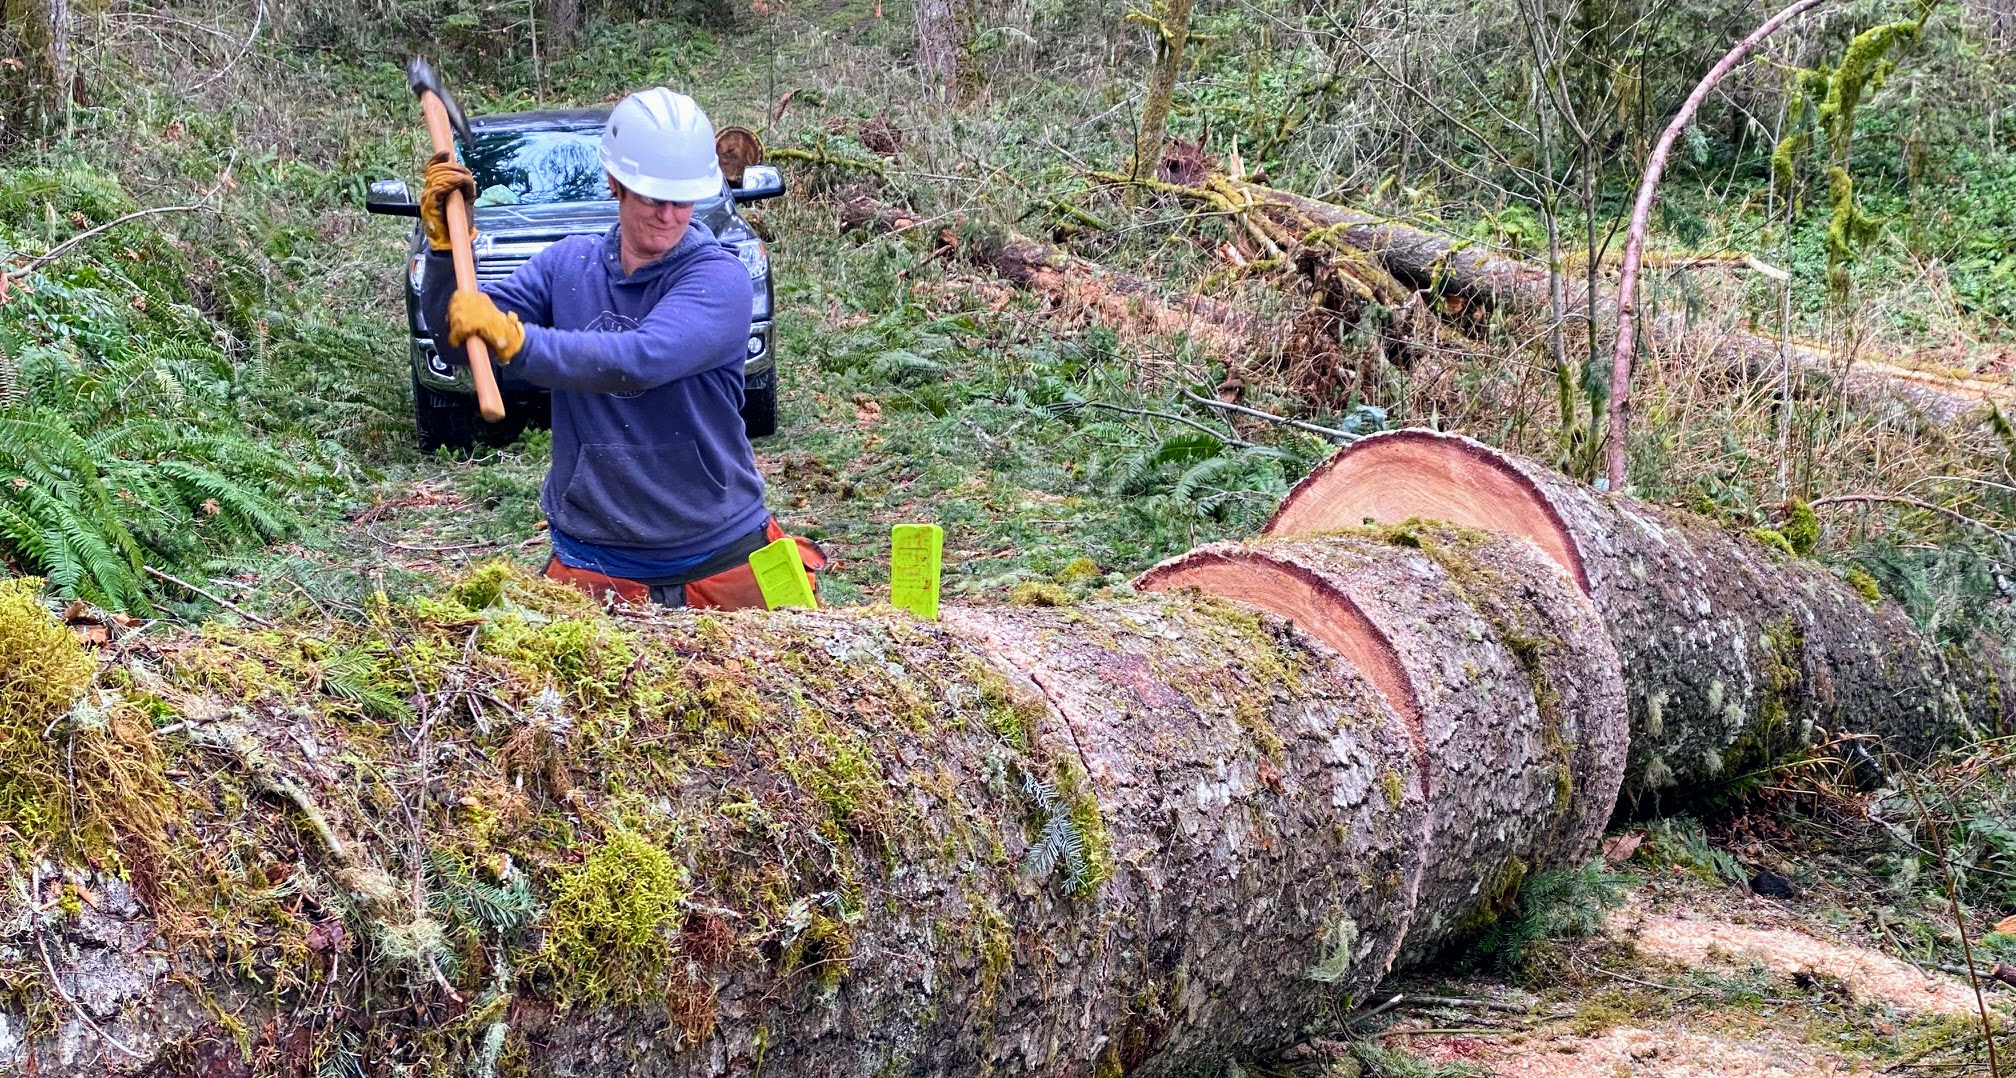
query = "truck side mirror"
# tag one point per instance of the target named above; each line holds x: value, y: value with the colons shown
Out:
x: 390, y: 197
x: 758, y: 183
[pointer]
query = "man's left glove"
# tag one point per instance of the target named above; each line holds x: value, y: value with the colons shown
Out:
x: 474, y: 314
x: 444, y: 175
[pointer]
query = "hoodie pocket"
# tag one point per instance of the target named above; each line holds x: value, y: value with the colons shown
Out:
x: 641, y: 495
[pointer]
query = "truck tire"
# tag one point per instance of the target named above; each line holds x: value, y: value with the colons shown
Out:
x: 442, y: 420
x: 759, y: 406
x: 450, y: 420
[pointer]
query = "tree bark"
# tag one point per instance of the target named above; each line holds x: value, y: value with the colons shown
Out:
x: 945, y: 47
x: 1495, y: 663
x: 1733, y: 654
x: 497, y: 830
x: 1172, y: 34
x: 39, y: 32
x: 856, y: 806
x: 559, y: 22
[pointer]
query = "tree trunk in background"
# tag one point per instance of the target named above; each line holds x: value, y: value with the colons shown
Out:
x: 1079, y: 288
x: 945, y: 47
x: 1172, y: 33
x: 39, y: 39
x: 1734, y: 654
x: 559, y: 22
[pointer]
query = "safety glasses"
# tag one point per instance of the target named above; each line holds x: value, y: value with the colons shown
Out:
x: 650, y: 203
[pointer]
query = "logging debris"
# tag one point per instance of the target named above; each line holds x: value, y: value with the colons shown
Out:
x: 1462, y: 280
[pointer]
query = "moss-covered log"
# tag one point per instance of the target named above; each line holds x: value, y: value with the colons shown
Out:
x: 1734, y: 652
x: 500, y: 832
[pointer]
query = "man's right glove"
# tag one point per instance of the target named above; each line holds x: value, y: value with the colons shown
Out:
x: 475, y: 314
x: 444, y: 174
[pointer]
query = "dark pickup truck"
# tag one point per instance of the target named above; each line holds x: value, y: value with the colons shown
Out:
x: 538, y: 181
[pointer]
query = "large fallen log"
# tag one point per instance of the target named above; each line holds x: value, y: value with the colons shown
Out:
x: 1529, y: 640
x: 1734, y: 653
x: 1076, y: 287
x: 499, y: 831
x: 1446, y: 265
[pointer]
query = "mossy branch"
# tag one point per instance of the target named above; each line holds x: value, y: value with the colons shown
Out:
x: 820, y: 157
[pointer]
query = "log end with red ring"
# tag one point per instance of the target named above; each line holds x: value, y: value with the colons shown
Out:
x: 1428, y: 475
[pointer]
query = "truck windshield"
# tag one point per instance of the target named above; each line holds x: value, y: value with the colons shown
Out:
x: 535, y: 168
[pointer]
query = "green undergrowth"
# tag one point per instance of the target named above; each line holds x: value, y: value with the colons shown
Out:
x: 984, y: 425
x: 1549, y: 907
x: 171, y: 390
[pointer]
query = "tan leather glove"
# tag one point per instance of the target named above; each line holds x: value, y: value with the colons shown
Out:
x: 474, y: 314
x: 444, y: 174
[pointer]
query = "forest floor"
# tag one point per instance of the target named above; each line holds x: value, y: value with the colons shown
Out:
x: 1689, y: 980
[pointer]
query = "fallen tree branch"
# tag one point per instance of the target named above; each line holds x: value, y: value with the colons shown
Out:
x: 1915, y: 503
x: 1328, y: 432
x: 57, y: 251
x: 828, y: 160
x: 1235, y: 442
x: 207, y: 594
x: 60, y: 249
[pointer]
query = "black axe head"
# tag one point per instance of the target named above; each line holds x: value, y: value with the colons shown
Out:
x: 420, y: 76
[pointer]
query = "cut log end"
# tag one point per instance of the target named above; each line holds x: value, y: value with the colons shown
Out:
x: 1311, y: 603
x: 1421, y: 474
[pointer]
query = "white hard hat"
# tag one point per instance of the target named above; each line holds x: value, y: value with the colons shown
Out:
x: 661, y: 145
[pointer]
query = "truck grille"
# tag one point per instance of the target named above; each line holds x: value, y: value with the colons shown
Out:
x: 496, y: 268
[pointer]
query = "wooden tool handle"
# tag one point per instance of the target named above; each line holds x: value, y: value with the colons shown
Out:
x: 489, y: 402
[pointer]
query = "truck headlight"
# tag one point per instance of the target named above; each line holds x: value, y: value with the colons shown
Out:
x: 755, y: 257
x: 416, y: 268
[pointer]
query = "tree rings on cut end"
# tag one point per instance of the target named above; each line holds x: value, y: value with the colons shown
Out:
x: 1425, y: 474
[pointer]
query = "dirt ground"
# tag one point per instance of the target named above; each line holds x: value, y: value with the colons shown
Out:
x: 1690, y: 981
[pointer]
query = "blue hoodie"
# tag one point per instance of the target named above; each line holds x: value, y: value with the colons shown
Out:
x: 650, y: 456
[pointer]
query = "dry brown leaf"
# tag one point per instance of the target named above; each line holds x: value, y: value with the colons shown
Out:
x: 1618, y: 849
x: 2007, y: 925
x: 326, y: 935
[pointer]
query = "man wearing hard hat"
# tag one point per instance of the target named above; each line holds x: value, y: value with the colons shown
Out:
x: 653, y: 495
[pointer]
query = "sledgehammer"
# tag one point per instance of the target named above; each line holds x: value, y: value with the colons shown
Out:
x: 444, y: 121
